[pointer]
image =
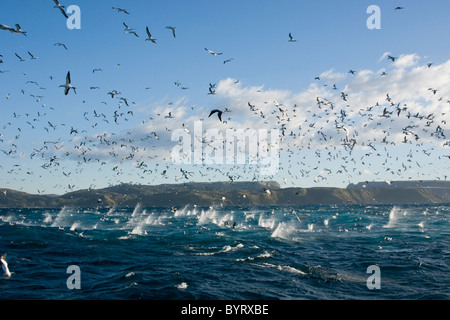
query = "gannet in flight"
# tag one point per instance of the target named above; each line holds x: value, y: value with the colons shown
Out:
x: 21, y: 59
x: 149, y: 36
x: 291, y: 38
x: 173, y: 30
x: 121, y: 10
x: 17, y: 30
x: 32, y: 57
x: 392, y: 58
x: 129, y: 30
x: 68, y: 85
x: 219, y: 114
x: 61, y: 8
x: 59, y: 44
x: 213, y: 53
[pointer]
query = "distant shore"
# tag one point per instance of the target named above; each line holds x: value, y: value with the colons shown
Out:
x: 236, y: 193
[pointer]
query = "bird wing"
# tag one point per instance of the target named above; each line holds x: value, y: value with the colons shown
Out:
x: 212, y: 112
x: 219, y: 113
x: 68, y: 78
x: 63, y: 12
x: 5, y: 27
x: 173, y: 30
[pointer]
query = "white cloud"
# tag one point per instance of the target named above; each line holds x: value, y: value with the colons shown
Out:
x: 405, y: 87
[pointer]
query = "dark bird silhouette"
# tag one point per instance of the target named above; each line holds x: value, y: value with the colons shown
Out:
x: 392, y: 58
x: 219, y: 114
x: 121, y: 10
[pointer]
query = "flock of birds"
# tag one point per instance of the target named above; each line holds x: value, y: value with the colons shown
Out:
x: 322, y: 126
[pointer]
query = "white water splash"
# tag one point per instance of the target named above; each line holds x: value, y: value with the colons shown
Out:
x: 393, y: 217
x: 61, y: 219
x: 284, y: 231
x: 268, y: 223
x: 47, y: 218
x: 182, y: 286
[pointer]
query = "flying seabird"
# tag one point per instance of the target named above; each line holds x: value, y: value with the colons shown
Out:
x: 391, y: 58
x: 150, y: 38
x: 129, y: 30
x: 291, y: 38
x: 21, y: 59
x: 121, y: 10
x: 59, y: 44
x: 173, y: 30
x: 68, y: 85
x: 113, y: 93
x: 61, y: 8
x: 32, y: 57
x: 17, y: 30
x: 346, y: 131
x: 219, y: 114
x: 213, y: 53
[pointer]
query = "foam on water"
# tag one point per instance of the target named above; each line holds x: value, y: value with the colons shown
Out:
x: 268, y: 223
x: 284, y: 268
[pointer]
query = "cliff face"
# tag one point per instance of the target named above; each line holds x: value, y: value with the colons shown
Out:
x: 237, y: 193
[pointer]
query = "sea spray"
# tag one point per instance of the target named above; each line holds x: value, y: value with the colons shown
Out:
x: 268, y: 223
x: 137, y: 209
x: 284, y: 231
x: 393, y: 217
x: 47, y: 218
x: 111, y: 211
x: 61, y: 219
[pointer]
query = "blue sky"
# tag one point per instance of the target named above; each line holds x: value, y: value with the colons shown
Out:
x: 332, y: 38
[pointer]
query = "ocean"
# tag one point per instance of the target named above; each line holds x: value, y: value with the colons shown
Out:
x: 320, y: 252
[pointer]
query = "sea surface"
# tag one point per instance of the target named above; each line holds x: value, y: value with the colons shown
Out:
x: 227, y: 253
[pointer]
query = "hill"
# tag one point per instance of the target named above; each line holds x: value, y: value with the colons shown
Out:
x: 236, y: 193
